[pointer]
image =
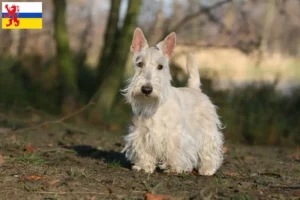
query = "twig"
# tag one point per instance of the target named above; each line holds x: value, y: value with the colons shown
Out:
x: 205, y: 10
x: 292, y: 187
x: 50, y: 192
x: 56, y: 121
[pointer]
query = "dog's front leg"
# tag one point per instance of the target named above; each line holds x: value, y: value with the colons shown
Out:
x: 139, y: 152
x: 144, y: 162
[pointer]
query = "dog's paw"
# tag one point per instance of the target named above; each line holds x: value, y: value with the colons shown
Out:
x: 136, y: 168
x: 178, y: 171
x: 207, y: 172
x: 147, y: 169
x: 163, y: 166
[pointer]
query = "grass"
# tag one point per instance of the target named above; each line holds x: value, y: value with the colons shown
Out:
x: 114, y: 164
x: 78, y: 172
x: 243, y: 197
x: 31, y: 159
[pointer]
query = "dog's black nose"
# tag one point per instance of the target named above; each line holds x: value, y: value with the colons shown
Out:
x: 147, y: 89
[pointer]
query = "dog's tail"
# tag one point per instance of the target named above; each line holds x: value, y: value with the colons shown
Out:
x: 192, y: 69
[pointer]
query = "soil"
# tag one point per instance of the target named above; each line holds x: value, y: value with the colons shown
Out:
x: 79, y: 162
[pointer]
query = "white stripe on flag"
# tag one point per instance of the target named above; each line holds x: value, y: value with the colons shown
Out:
x: 25, y: 7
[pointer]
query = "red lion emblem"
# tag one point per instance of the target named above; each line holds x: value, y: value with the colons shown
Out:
x: 12, y: 13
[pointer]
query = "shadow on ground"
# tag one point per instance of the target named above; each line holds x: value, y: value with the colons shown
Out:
x: 106, y: 156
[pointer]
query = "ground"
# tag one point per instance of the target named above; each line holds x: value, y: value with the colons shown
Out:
x: 63, y: 161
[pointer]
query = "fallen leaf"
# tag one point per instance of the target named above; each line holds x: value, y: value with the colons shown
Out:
x: 149, y: 196
x: 231, y: 173
x: 32, y: 178
x: 53, y: 181
x: 195, y: 173
x: 29, y: 149
x: 1, y: 159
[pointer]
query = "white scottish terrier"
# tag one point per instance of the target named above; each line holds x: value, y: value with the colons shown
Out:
x: 175, y: 129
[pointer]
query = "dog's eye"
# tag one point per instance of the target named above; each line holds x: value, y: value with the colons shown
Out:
x: 160, y: 67
x: 140, y: 64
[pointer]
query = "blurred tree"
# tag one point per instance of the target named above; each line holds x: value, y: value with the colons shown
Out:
x: 109, y: 40
x: 158, y: 25
x: 266, y: 33
x: 110, y: 86
x: 67, y: 76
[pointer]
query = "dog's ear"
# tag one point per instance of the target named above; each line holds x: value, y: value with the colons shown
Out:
x: 139, y: 41
x: 167, y: 46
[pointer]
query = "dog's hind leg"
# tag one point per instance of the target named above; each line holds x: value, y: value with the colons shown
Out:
x: 211, y: 154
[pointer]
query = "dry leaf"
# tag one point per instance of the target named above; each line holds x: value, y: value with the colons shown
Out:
x: 149, y: 196
x: 1, y: 159
x: 52, y: 182
x: 195, y: 173
x: 231, y: 173
x: 29, y: 149
x: 32, y: 178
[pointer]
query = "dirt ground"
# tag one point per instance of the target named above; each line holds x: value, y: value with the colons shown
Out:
x: 67, y: 162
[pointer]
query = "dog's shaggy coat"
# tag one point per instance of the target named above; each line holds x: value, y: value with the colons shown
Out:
x: 175, y: 129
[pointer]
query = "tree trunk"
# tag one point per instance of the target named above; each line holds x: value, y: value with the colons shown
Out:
x: 66, y: 69
x: 263, y: 48
x: 109, y: 41
x: 110, y: 86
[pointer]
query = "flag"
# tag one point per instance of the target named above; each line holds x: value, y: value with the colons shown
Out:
x: 22, y: 15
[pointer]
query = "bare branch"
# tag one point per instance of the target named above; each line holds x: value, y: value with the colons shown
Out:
x: 204, y: 10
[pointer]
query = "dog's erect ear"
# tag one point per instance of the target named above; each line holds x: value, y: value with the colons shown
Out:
x: 139, y: 41
x: 167, y: 46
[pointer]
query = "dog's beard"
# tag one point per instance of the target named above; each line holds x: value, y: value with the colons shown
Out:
x: 145, y: 105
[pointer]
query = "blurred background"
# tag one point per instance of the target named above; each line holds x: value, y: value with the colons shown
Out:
x: 248, y: 53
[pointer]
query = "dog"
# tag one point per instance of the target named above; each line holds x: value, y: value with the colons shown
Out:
x: 175, y: 129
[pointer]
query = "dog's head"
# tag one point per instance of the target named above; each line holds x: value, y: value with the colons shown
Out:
x: 151, y: 80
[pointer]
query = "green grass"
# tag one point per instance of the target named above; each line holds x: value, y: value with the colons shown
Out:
x: 114, y: 164
x: 78, y: 172
x: 31, y: 159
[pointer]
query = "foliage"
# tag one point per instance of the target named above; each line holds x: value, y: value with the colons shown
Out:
x: 31, y: 159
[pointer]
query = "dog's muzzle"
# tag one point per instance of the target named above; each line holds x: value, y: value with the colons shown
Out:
x: 146, y: 89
